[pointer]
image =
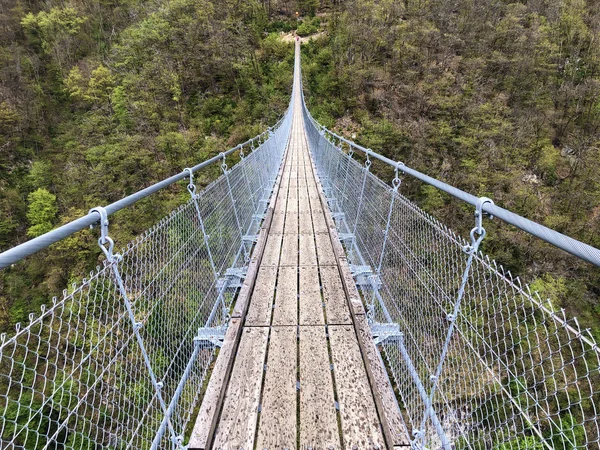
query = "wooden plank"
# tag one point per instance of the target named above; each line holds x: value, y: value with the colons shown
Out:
x: 289, y: 250
x: 285, y: 311
x: 261, y: 303
x: 237, y: 425
x: 305, y: 223
x: 308, y: 252
x: 359, y: 419
x: 303, y: 203
x: 277, y: 423
x: 313, y: 193
x: 272, y: 249
x: 324, y: 249
x: 291, y: 223
x: 292, y: 203
x: 281, y: 205
x: 318, y: 421
x: 277, y: 224
x: 319, y: 224
x: 336, y: 306
x: 310, y: 301
x: 385, y: 399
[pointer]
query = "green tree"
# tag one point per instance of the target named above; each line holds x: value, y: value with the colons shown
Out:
x: 56, y: 32
x: 41, y: 212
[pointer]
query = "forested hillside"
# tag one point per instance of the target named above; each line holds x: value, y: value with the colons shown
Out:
x: 100, y: 99
x: 500, y: 99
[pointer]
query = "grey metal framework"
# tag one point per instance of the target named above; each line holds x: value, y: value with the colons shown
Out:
x: 478, y: 359
x: 119, y: 360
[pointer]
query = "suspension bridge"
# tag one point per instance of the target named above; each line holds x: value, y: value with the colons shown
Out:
x: 299, y: 302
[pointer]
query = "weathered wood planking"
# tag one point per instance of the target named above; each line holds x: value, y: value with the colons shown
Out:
x: 305, y: 222
x: 325, y: 250
x: 319, y: 224
x: 291, y: 223
x: 359, y: 420
x: 237, y: 425
x: 285, y: 311
x: 310, y: 302
x: 336, y: 305
x: 318, y: 421
x: 277, y: 223
x: 308, y: 252
x: 261, y: 302
x: 289, y: 250
x: 277, y: 423
x: 272, y: 250
x: 304, y: 203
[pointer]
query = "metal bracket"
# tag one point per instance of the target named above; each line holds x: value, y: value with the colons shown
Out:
x: 234, y: 278
x: 250, y: 238
x: 364, y: 277
x: 214, y: 335
x: 346, y: 237
x: 383, y: 332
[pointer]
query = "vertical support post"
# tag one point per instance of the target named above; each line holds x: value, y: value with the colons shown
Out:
x: 342, y: 201
x: 362, y: 193
x: 186, y: 374
x: 250, y: 190
x: 329, y: 156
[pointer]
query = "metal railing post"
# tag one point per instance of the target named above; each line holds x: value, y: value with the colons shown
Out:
x: 362, y: 193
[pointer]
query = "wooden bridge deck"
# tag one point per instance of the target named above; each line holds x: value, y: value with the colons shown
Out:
x: 298, y: 368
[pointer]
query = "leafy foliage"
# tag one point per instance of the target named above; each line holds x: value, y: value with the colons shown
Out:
x: 99, y: 100
x: 499, y: 99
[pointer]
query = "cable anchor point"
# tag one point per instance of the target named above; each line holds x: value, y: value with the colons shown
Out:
x: 191, y: 187
x: 104, y: 241
x: 478, y: 232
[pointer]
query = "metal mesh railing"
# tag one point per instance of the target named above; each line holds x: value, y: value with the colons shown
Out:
x: 118, y: 361
x: 479, y: 361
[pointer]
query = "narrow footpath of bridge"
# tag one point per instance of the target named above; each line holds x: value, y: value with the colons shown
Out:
x: 301, y: 376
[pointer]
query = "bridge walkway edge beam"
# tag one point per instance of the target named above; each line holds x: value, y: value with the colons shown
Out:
x: 208, y: 416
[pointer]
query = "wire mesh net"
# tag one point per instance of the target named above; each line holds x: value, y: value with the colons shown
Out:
x: 115, y: 362
x: 486, y: 366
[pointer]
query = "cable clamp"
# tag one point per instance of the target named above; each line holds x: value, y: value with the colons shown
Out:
x: 223, y: 164
x: 478, y: 233
x: 479, y: 212
x: 191, y: 187
x: 105, y: 242
x: 397, y: 181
